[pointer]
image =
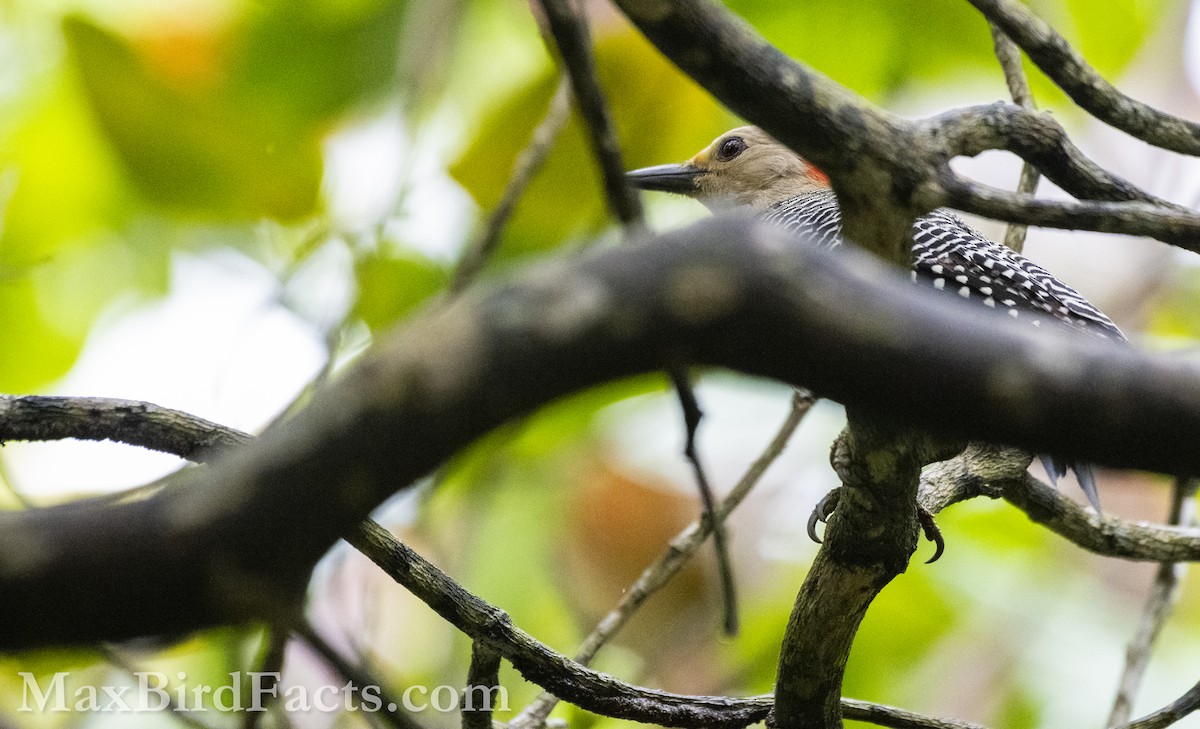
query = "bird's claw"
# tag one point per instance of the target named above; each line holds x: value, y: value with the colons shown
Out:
x: 821, y: 512
x: 828, y: 503
x: 930, y: 529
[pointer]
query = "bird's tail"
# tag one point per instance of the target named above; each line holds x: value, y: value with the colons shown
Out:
x: 1056, y: 468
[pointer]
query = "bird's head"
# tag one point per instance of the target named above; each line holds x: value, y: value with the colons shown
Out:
x: 745, y: 166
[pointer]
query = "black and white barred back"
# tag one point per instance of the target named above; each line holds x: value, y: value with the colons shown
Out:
x: 949, y: 255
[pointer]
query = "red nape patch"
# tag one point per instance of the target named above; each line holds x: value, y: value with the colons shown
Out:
x: 817, y: 175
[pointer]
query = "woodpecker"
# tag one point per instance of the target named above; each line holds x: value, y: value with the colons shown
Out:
x: 745, y: 167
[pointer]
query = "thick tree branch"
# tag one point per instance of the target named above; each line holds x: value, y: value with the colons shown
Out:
x: 237, y: 541
x: 478, y: 619
x: 981, y: 470
x: 1066, y: 68
x: 869, y: 540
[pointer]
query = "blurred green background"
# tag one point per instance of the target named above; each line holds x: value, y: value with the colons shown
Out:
x: 217, y: 194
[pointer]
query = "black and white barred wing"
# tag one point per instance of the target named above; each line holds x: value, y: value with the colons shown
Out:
x: 949, y: 255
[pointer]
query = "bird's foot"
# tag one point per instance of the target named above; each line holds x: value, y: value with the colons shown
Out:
x: 829, y: 502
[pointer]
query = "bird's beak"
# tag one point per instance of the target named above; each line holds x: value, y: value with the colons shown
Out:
x: 666, y: 178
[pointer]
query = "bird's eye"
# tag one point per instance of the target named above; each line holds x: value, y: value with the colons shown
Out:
x: 730, y: 148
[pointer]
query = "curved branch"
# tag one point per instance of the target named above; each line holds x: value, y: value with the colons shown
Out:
x: 1040, y: 140
x: 869, y: 540
x: 726, y: 292
x: 37, y: 417
x: 1170, y: 713
x: 574, y: 682
x: 1104, y: 535
x: 1067, y: 69
x: 539, y: 664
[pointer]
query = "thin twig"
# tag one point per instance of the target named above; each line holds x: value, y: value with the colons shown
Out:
x: 1168, y: 225
x: 1164, y: 593
x: 568, y: 27
x: 389, y: 706
x: 1018, y: 86
x: 570, y: 32
x: 898, y: 718
x: 1170, y: 713
x: 678, y: 552
x: 271, y: 665
x: 692, y: 414
x: 483, y: 673
x: 531, y: 159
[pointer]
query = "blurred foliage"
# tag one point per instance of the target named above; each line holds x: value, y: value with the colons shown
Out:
x: 657, y: 118
x: 391, y: 285
x: 129, y: 136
